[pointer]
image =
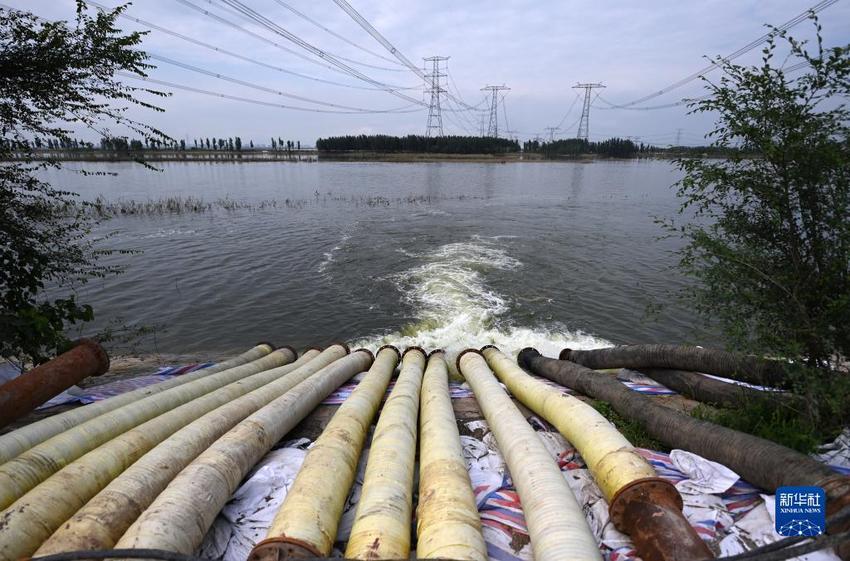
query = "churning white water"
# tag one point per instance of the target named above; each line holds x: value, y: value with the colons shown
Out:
x: 457, y: 309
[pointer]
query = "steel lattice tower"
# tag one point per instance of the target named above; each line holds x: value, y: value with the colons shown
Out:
x: 584, y: 122
x: 551, y: 131
x: 435, y: 115
x: 493, y: 123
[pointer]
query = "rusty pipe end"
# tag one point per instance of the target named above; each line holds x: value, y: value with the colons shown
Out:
x: 565, y: 354
x: 313, y: 348
x: 280, y: 548
x: 649, y: 510
x: 392, y: 348
x: 270, y: 345
x: 367, y: 351
x: 341, y: 344
x: 524, y: 357
x: 99, y: 354
x: 463, y: 352
x: 482, y: 349
x: 415, y: 348
x: 435, y: 351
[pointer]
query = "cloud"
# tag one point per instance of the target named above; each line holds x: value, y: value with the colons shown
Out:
x: 538, y: 48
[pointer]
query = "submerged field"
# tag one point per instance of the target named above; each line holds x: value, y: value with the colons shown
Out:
x: 437, y: 254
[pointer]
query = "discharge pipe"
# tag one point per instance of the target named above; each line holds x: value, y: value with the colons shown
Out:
x: 16, y: 442
x: 308, y: 520
x: 27, y: 470
x: 642, y: 505
x: 764, y: 463
x: 105, y: 518
x: 717, y: 392
x: 383, y: 515
x: 744, y: 368
x: 556, y: 523
x: 21, y: 395
x: 31, y: 519
x: 447, y: 521
x: 182, y: 514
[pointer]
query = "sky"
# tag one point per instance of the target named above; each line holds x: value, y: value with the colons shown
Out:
x: 538, y: 48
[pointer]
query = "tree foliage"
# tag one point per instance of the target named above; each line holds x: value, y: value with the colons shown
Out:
x: 612, y: 148
x: 55, y: 76
x: 770, y: 244
x: 419, y: 144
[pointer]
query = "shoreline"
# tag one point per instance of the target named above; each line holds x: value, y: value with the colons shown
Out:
x: 313, y: 156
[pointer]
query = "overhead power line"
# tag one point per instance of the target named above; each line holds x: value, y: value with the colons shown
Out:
x: 275, y: 28
x: 370, y: 29
x: 334, y: 33
x: 254, y: 86
x: 254, y: 101
x: 257, y: 36
x: 743, y: 50
x: 790, y: 70
x: 570, y: 110
x: 212, y: 47
x: 241, y: 14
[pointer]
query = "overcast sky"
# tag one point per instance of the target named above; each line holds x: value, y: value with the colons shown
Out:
x: 539, y: 48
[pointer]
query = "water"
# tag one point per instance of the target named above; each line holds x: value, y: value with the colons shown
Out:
x: 458, y: 254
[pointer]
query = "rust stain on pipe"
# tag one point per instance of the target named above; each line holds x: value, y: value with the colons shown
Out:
x: 21, y: 395
x: 650, y: 512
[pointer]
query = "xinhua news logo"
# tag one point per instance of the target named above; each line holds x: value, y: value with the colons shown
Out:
x: 800, y: 511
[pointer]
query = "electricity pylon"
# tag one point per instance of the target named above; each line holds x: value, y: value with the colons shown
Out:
x: 552, y: 133
x: 435, y: 115
x: 493, y: 123
x: 584, y: 123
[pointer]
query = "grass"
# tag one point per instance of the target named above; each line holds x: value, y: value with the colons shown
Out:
x: 632, y: 430
x: 762, y: 419
x: 825, y: 414
x: 102, y: 208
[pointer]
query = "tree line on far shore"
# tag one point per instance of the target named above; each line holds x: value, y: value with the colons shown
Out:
x: 124, y: 144
x: 418, y: 143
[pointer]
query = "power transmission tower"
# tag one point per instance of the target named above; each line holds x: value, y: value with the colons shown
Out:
x: 493, y: 123
x: 584, y: 122
x: 678, y: 137
x: 551, y: 131
x: 435, y: 115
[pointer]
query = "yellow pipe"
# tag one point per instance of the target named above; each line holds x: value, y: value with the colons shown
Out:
x: 556, y: 524
x: 448, y: 526
x: 21, y: 474
x: 180, y: 516
x: 31, y: 519
x: 611, y: 458
x: 103, y: 519
x: 309, y: 517
x: 382, y: 520
x: 24, y: 438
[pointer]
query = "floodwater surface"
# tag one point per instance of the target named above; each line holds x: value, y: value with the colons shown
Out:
x: 437, y: 254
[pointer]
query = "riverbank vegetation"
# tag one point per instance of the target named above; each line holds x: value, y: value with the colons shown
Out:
x: 104, y: 209
x: 54, y: 76
x: 770, y: 246
x: 418, y: 144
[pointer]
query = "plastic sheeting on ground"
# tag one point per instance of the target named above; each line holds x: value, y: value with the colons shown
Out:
x: 84, y: 396
x: 75, y: 394
x: 730, y: 514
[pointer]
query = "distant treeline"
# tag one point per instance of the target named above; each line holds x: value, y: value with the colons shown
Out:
x: 123, y: 144
x: 612, y: 148
x: 418, y: 143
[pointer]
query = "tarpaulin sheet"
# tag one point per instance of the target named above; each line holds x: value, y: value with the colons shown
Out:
x: 75, y: 394
x: 729, y: 513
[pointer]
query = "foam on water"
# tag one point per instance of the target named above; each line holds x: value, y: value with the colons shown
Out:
x: 457, y: 309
